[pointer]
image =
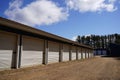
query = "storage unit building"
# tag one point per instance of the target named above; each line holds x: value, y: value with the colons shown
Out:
x: 65, y: 52
x: 22, y: 45
x: 32, y: 52
x: 53, y: 54
x: 79, y: 54
x: 73, y: 53
x: 7, y: 49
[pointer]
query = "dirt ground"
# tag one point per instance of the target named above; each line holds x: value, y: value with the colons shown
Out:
x: 98, y: 68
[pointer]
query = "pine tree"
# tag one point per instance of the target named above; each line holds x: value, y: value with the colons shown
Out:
x: 78, y: 39
x: 97, y: 41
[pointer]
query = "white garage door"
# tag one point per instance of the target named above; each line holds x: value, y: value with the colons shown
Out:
x: 53, y: 54
x: 84, y: 54
x: 73, y: 53
x: 65, y: 53
x: 90, y: 55
x: 87, y: 54
x: 32, y: 51
x: 7, y: 46
x: 79, y: 54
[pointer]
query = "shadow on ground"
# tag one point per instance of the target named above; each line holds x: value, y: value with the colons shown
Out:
x: 115, y: 57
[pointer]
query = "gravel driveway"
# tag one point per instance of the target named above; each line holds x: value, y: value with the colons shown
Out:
x: 98, y: 68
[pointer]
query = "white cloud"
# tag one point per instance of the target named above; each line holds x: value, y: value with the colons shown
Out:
x: 39, y: 12
x: 91, y: 5
x: 74, y: 38
x: 112, y: 1
x: 88, y: 35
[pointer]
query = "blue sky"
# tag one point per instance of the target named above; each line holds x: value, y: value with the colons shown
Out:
x: 66, y: 18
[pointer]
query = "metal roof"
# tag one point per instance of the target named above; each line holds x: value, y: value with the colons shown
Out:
x: 21, y: 27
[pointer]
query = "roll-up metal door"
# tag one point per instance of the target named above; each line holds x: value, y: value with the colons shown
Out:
x: 32, y: 51
x: 7, y: 47
x: 53, y: 53
x: 73, y: 53
x: 99, y: 52
x: 104, y: 52
x: 90, y: 54
x: 65, y: 52
x: 79, y: 54
x: 87, y: 54
x: 84, y: 54
x: 94, y: 52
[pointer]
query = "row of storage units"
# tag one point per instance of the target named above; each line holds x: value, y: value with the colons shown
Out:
x: 100, y: 52
x: 32, y: 51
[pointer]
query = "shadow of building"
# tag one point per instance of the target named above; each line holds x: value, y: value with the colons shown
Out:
x: 113, y: 50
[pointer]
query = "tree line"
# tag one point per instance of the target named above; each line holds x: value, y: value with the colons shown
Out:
x: 99, y: 41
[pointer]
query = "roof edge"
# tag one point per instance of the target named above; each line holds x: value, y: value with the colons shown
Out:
x: 19, y: 26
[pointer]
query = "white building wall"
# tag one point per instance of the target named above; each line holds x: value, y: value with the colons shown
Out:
x: 53, y: 53
x: 79, y: 54
x: 7, y: 47
x: 73, y: 53
x: 65, y: 52
x: 32, y: 51
x: 87, y: 54
x: 83, y: 51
